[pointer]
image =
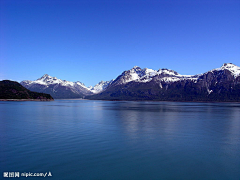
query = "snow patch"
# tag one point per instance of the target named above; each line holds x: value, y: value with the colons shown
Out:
x: 146, y: 75
x: 49, y: 80
x: 235, y: 70
x: 102, y: 85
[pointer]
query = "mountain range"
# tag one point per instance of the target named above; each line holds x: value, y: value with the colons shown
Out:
x: 63, y: 89
x: 220, y: 84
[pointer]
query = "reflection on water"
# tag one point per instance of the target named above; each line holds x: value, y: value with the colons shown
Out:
x: 81, y: 139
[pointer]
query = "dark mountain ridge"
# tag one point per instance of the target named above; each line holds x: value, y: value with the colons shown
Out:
x: 14, y: 90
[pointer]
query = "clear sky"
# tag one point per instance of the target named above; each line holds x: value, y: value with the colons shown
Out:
x: 90, y: 41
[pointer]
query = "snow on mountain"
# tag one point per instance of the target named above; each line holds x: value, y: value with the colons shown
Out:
x: 76, y: 87
x: 48, y: 80
x: 135, y: 74
x: 53, y: 85
x: 235, y: 70
x: 100, y: 86
x: 221, y: 84
x: 49, y: 84
x: 146, y: 75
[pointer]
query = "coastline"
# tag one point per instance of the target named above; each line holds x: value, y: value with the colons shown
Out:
x: 119, y: 100
x: 26, y: 99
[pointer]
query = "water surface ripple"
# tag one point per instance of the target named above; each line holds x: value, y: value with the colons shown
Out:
x: 81, y: 139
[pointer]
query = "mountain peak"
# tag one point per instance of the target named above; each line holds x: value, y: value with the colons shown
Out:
x: 136, y: 67
x: 45, y: 75
x: 57, y: 88
x: 235, y: 70
x: 102, y: 85
x: 167, y: 71
x: 228, y: 65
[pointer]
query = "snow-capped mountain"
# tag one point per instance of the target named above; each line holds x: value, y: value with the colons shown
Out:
x: 101, y: 86
x: 220, y: 84
x: 57, y: 88
x: 235, y: 70
x: 137, y: 74
x: 49, y: 80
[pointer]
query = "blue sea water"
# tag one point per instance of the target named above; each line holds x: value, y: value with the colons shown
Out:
x: 109, y: 140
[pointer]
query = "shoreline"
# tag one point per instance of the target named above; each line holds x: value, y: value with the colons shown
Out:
x: 26, y: 99
x: 118, y: 100
x: 154, y: 101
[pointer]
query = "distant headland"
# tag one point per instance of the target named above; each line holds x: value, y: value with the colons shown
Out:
x: 13, y: 91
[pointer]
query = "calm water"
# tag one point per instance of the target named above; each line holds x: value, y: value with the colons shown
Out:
x: 80, y: 139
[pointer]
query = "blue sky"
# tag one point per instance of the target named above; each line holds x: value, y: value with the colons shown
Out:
x: 90, y: 41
